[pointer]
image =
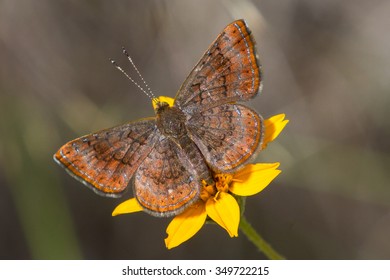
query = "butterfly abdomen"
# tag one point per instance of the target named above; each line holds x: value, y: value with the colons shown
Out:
x: 171, y: 122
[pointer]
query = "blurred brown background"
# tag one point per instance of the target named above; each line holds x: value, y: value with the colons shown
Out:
x: 326, y: 66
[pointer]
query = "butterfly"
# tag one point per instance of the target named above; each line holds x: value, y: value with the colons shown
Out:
x: 166, y: 157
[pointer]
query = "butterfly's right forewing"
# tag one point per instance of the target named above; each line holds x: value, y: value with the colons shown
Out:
x: 228, y: 134
x: 229, y: 71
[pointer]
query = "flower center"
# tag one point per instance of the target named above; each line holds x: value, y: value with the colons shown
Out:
x: 221, y: 184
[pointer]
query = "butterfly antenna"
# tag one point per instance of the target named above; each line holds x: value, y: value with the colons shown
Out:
x: 148, y: 94
x: 136, y: 70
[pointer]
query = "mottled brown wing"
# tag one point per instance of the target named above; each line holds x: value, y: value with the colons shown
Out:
x: 106, y: 160
x: 169, y: 179
x: 229, y: 71
x: 228, y: 135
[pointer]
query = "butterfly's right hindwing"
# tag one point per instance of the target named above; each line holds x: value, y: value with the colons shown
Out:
x: 229, y: 136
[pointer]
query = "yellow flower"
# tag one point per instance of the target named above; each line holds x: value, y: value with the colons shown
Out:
x: 273, y: 126
x: 217, y: 201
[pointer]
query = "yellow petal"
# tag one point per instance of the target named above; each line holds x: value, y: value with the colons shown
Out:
x: 253, y: 178
x: 273, y: 126
x: 126, y: 207
x: 166, y: 99
x: 224, y: 210
x: 186, y: 225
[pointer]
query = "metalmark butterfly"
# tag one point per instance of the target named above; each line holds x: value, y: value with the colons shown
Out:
x: 167, y: 156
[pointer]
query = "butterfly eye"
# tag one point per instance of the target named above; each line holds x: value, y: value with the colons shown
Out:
x: 160, y: 106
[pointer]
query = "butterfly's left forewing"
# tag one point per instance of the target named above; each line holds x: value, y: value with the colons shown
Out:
x: 106, y: 160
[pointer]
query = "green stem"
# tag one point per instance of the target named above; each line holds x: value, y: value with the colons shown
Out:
x: 258, y: 241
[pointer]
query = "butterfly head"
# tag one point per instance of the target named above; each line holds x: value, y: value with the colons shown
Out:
x: 160, y: 106
x: 162, y: 102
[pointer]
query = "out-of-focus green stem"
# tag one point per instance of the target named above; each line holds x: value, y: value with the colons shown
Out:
x: 258, y: 241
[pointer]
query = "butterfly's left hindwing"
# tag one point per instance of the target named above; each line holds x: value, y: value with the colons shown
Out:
x: 169, y: 179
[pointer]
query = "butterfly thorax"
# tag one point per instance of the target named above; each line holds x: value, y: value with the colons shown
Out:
x: 170, y: 121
